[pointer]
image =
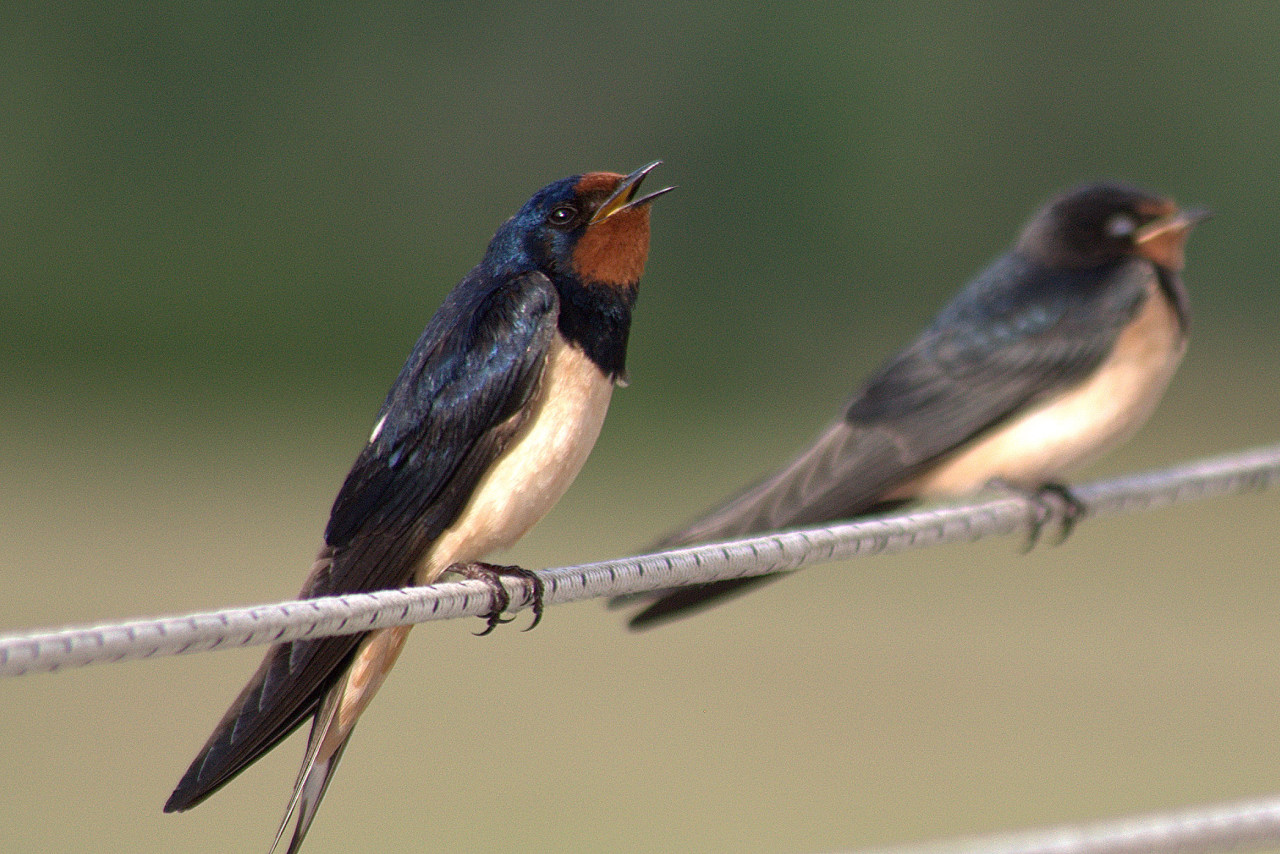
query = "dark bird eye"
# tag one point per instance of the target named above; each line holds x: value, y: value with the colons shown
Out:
x: 563, y: 215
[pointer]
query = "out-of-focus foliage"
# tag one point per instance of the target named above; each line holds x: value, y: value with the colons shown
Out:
x: 222, y: 225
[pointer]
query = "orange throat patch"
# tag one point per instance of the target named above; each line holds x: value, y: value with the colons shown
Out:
x: 613, y: 252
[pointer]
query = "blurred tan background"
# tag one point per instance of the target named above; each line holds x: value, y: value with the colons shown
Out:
x: 222, y: 228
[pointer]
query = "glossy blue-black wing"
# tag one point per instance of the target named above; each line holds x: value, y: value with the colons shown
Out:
x: 455, y: 406
x: 1017, y: 334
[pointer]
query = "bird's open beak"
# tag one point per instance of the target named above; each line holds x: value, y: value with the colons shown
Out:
x: 1163, y: 241
x: 624, y: 196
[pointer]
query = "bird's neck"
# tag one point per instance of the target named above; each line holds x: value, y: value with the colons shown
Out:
x: 1172, y: 287
x: 597, y: 318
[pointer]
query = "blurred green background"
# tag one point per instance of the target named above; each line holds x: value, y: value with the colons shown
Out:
x: 222, y: 227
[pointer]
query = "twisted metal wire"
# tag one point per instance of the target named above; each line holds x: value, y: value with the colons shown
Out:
x: 74, y: 647
x: 1243, y: 826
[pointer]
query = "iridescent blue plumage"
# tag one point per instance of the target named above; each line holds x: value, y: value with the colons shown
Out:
x: 467, y: 399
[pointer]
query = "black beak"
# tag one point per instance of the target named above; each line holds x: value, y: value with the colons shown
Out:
x: 624, y: 196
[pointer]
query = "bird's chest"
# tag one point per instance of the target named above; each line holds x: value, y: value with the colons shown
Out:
x: 538, y: 465
x: 1076, y: 427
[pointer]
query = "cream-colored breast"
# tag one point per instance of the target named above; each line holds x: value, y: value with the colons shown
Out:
x: 537, y: 467
x: 1074, y: 428
x: 520, y: 487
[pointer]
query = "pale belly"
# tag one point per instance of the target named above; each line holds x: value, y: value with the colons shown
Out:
x: 1076, y: 427
x: 536, y: 469
x: 520, y: 487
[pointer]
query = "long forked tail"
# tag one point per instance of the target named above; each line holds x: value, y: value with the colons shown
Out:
x: 314, y: 776
x: 334, y: 721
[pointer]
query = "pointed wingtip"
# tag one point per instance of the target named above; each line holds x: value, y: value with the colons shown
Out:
x: 190, y: 791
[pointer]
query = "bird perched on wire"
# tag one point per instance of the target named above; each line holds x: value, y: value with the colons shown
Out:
x: 1055, y: 353
x: 487, y: 424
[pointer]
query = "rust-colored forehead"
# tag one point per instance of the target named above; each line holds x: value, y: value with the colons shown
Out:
x: 1156, y: 208
x: 595, y: 182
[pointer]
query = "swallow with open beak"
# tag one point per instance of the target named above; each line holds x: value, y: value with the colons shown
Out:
x: 487, y: 424
x: 1054, y: 354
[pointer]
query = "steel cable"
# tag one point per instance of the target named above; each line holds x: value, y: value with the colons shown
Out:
x: 1254, y: 469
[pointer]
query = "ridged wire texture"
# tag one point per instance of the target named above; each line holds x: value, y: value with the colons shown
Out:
x: 1248, y: 825
x: 1243, y: 826
x: 46, y: 651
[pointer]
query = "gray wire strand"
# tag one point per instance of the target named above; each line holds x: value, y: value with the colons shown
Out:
x: 74, y: 647
x: 1242, y: 826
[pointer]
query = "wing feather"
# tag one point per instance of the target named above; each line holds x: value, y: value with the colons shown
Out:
x: 453, y: 409
x: 1017, y: 334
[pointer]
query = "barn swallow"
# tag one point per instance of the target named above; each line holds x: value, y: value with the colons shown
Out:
x: 1055, y: 353
x: 486, y: 426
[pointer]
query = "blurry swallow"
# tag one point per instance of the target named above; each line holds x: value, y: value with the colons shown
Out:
x: 486, y: 426
x: 1054, y: 354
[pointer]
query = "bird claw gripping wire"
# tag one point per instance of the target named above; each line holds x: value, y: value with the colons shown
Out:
x: 1052, y: 503
x: 491, y: 574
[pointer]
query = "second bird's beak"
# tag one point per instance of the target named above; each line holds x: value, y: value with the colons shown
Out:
x: 623, y: 197
x: 1163, y: 241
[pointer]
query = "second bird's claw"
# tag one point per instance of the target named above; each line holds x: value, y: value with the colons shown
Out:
x: 1053, y: 502
x: 492, y: 574
x: 1050, y: 503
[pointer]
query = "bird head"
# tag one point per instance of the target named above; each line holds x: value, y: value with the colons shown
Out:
x: 592, y: 227
x: 1101, y: 223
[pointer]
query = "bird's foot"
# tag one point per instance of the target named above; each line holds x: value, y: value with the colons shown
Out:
x: 1051, y: 504
x: 492, y: 574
